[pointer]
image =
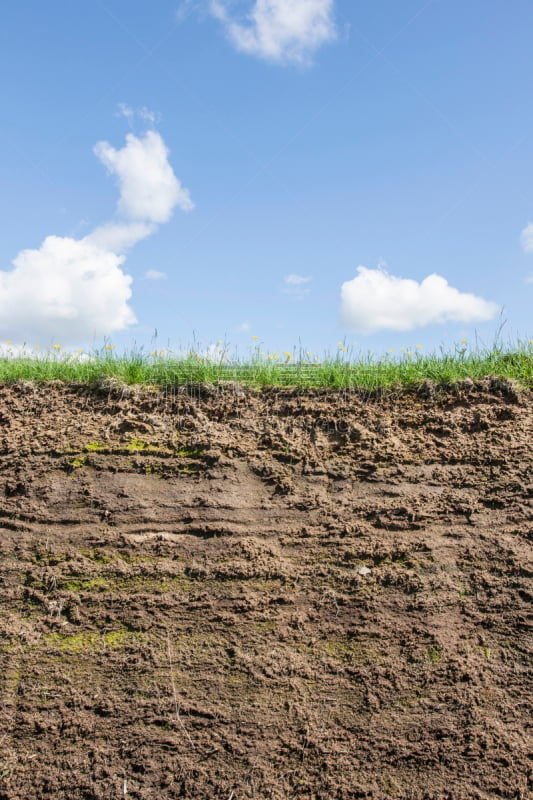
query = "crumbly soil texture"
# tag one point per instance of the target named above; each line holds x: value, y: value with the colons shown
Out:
x: 220, y: 592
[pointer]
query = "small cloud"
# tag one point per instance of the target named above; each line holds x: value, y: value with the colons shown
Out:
x: 153, y: 117
x: 124, y: 110
x: 375, y: 301
x: 244, y: 327
x: 296, y: 285
x: 281, y: 31
x: 296, y: 280
x: 188, y: 7
x: 526, y: 238
x: 149, y: 190
x: 155, y: 275
x: 529, y: 278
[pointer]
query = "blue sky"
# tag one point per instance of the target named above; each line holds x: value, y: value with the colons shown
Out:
x: 298, y: 171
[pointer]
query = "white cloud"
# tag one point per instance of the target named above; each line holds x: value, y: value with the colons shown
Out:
x: 279, y: 30
x: 526, y: 238
x: 375, y: 301
x: 72, y: 289
x: 120, y: 236
x: 67, y: 290
x: 155, y: 275
x: 296, y: 285
x: 244, y: 327
x: 149, y: 190
x: 296, y: 280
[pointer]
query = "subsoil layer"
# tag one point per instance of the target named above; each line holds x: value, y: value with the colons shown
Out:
x: 216, y: 592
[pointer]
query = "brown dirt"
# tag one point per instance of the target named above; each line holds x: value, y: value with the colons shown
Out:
x: 222, y: 593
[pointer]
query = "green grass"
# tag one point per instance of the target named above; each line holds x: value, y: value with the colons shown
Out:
x: 407, y: 368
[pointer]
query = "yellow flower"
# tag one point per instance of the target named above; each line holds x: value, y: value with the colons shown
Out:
x: 80, y: 351
x: 309, y: 353
x: 220, y: 341
x: 108, y: 347
x: 288, y: 354
x: 154, y: 352
x: 464, y: 341
x: 36, y: 346
x: 419, y: 347
x: 8, y: 341
x: 391, y: 351
x: 255, y: 338
x: 57, y: 347
x: 402, y: 348
x: 340, y: 344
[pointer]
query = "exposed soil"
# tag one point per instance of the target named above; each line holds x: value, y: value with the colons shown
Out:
x: 222, y: 593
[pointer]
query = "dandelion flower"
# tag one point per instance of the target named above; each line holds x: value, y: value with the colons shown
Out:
x: 8, y: 341
x: 419, y: 347
x: 464, y: 341
x: 108, y: 347
x: 255, y: 338
x: 57, y: 347
x: 391, y: 351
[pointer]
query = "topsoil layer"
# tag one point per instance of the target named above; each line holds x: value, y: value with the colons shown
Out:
x: 222, y: 593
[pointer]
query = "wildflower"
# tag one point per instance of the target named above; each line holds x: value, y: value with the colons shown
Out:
x: 36, y: 346
x: 340, y: 344
x: 108, y: 347
x: 309, y: 353
x: 79, y: 351
x: 288, y: 354
x: 402, y: 348
x: 464, y: 341
x: 57, y: 347
x: 391, y: 351
x: 154, y: 352
x: 255, y: 338
x: 419, y: 347
x: 8, y: 341
x: 220, y: 341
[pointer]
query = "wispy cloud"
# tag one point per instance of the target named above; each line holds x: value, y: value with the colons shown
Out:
x: 375, y: 300
x: 526, y: 238
x: 281, y: 31
x: 155, y: 275
x: 72, y: 289
x: 296, y: 284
